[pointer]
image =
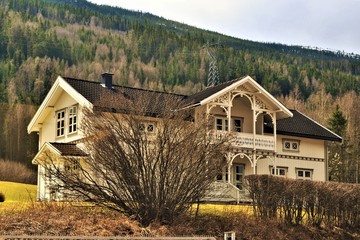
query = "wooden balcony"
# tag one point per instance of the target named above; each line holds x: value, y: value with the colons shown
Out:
x: 246, y: 140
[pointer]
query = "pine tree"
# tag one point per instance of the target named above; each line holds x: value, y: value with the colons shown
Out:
x: 338, y: 122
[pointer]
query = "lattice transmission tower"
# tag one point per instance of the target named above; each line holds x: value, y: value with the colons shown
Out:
x: 213, y: 76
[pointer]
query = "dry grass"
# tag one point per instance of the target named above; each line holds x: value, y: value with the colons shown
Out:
x: 66, y: 219
x: 37, y: 218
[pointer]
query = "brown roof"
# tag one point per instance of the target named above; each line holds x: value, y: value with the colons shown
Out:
x: 68, y: 149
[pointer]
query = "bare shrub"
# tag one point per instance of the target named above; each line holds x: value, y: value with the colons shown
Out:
x: 16, y: 172
x: 146, y: 159
x: 305, y: 202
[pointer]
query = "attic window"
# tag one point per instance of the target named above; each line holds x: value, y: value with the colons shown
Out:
x: 72, y: 119
x: 291, y: 145
x: 60, y: 123
x: 147, y: 127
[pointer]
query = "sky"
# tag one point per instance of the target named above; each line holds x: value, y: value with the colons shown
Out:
x: 327, y: 24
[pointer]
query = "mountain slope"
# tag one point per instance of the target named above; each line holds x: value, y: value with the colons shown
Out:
x: 81, y: 39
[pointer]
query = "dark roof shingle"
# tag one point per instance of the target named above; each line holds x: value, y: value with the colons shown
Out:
x: 68, y: 149
x: 298, y: 125
x: 301, y: 126
x: 198, y: 97
x: 106, y: 99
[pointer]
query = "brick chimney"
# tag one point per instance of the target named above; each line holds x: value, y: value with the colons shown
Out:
x: 106, y: 79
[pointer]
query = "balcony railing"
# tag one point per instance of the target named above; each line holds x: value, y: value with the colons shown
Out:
x: 246, y: 140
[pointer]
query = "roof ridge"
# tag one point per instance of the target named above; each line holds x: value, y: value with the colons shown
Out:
x: 61, y: 143
x: 128, y: 87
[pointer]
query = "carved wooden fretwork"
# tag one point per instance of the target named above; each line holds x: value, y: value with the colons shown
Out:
x: 260, y: 104
x: 243, y: 88
x: 223, y: 99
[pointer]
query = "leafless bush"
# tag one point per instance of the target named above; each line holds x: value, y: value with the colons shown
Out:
x: 147, y: 160
x: 305, y: 202
x: 16, y: 172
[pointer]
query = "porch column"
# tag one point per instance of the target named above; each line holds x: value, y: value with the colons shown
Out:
x: 274, y: 124
x: 229, y: 163
x: 254, y: 134
x: 254, y: 162
x: 229, y: 112
x: 254, y: 121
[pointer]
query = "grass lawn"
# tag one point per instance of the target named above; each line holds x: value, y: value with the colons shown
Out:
x: 220, y: 209
x: 18, y: 192
x: 20, y: 196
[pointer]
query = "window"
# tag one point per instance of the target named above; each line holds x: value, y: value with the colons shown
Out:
x: 66, y: 121
x: 147, y: 127
x: 304, y: 174
x: 280, y: 171
x: 291, y: 145
x: 60, y: 123
x: 237, y: 127
x: 223, y: 176
x: 72, y: 119
x: 71, y: 167
x: 221, y: 124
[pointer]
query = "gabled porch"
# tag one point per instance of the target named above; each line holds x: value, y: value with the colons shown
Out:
x: 242, y: 112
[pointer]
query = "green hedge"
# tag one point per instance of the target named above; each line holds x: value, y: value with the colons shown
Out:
x: 305, y: 202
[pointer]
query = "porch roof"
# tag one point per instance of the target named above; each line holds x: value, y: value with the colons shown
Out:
x: 68, y: 149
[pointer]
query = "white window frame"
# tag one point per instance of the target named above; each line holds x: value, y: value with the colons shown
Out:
x: 221, y: 124
x: 291, y: 145
x: 304, y: 174
x: 280, y: 171
x: 72, y: 119
x: 60, y: 122
x: 223, y: 176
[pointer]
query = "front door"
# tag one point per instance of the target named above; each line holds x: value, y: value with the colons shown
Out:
x: 239, y: 175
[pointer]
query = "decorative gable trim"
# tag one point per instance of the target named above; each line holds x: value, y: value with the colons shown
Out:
x: 260, y: 90
x: 47, y: 105
x: 46, y: 146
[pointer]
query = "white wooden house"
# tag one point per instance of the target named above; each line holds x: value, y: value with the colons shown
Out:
x: 268, y: 138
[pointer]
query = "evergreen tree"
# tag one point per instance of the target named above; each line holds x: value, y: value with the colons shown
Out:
x: 337, y: 123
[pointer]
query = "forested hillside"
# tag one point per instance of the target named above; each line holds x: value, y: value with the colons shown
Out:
x: 40, y: 40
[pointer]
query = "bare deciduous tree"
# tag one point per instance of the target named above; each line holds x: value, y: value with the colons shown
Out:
x: 147, y: 160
